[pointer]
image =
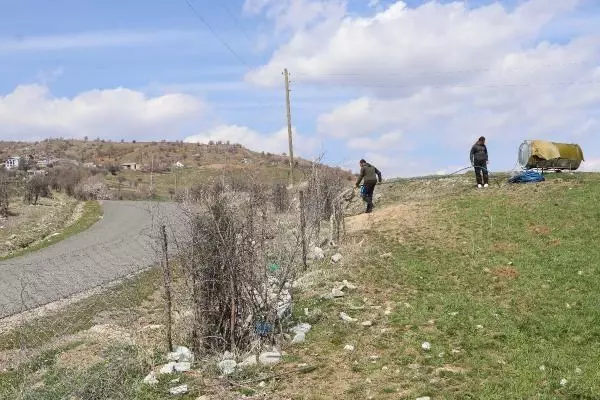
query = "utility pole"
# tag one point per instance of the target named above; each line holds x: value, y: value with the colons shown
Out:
x: 289, y: 123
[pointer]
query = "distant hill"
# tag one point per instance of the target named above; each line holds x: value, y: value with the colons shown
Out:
x: 197, y: 161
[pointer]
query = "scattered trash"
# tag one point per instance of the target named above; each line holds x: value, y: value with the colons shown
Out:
x: 263, y: 328
x: 301, y: 328
x: 299, y: 338
x: 262, y: 384
x: 479, y: 327
x: 335, y: 292
x: 426, y: 346
x: 349, y: 347
x: 183, y: 389
x: 270, y: 357
x: 336, y: 258
x: 274, y: 267
x: 346, y: 318
x: 348, y: 285
x: 367, y: 323
x: 542, y: 368
x: 181, y: 354
x: 424, y: 398
x: 454, y: 313
x: 151, y: 379
x: 182, y: 366
x: 578, y: 371
x: 168, y: 368
x: 227, y: 367
x: 250, y: 361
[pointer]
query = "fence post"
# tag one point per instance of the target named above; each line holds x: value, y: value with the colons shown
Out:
x: 167, y: 284
x: 303, y: 228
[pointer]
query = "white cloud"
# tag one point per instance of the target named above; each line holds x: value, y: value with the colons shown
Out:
x: 31, y: 112
x: 296, y: 14
x: 276, y: 142
x: 85, y: 40
x: 443, y: 74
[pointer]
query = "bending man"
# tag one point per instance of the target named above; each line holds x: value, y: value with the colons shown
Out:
x: 371, y: 176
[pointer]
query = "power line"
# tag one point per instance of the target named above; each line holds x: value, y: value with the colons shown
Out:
x: 440, y: 72
x: 215, y: 34
x: 359, y: 85
x: 235, y: 20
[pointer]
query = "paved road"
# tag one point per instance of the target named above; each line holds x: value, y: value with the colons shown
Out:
x: 114, y: 247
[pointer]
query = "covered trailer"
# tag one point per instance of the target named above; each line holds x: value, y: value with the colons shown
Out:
x: 543, y: 154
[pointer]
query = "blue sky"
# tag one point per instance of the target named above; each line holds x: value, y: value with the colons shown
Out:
x: 408, y: 86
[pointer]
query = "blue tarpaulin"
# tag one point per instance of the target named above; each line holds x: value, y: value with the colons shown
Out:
x: 527, y: 177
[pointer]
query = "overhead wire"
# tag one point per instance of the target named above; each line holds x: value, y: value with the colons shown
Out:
x: 235, y: 20
x: 215, y: 34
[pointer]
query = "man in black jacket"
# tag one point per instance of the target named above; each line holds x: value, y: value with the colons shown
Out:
x: 479, y: 159
x: 371, y: 176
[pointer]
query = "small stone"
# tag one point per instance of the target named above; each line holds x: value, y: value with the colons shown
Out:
x: 336, y: 258
x: 168, y: 368
x: 349, y: 347
x: 316, y: 254
x: 367, y: 323
x: 227, y: 367
x: 346, y: 318
x: 270, y: 357
x: 563, y: 382
x: 299, y: 338
x: 336, y: 292
x: 580, y: 273
x: 228, y: 356
x: 542, y: 368
x: 578, y: 371
x: 424, y: 398
x: 151, y: 379
x: 374, y: 357
x: 183, y: 389
x: 303, y: 365
x: 479, y: 326
x: 426, y: 346
x: 386, y: 255
x: 454, y: 313
x: 204, y: 397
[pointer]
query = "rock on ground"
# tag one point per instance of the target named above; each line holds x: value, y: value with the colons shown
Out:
x: 181, y: 354
x: 336, y: 258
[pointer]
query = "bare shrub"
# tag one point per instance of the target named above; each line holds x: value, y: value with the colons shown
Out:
x: 93, y: 188
x: 280, y: 198
x: 240, y: 263
x: 38, y: 186
x: 4, y: 194
x: 65, y: 179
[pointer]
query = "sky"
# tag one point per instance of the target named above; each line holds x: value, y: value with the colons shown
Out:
x: 408, y: 85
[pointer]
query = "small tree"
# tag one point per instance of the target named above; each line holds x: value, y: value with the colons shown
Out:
x: 4, y: 195
x: 38, y: 186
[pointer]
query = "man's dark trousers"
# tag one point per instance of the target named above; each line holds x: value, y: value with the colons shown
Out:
x: 369, y: 187
x: 481, y: 169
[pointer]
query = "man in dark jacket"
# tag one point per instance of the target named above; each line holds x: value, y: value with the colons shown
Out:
x: 371, y: 176
x: 479, y: 159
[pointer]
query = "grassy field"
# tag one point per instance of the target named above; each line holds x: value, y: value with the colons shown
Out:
x: 30, y: 228
x: 502, y: 283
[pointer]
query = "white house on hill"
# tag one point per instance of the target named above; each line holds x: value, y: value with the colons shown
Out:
x: 12, y: 163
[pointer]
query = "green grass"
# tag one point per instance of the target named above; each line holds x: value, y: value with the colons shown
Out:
x: 504, y: 285
x: 546, y: 316
x: 92, y: 211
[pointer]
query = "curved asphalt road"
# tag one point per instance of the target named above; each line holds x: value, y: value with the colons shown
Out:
x: 116, y: 246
